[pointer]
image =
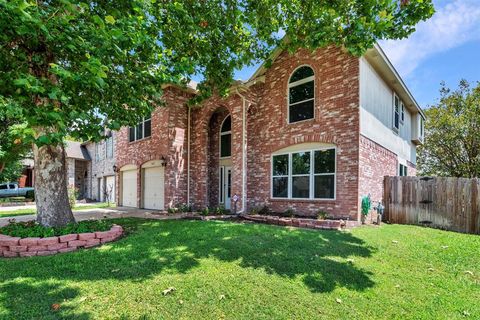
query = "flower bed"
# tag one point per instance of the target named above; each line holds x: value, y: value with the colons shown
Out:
x: 35, y: 246
x: 301, y: 222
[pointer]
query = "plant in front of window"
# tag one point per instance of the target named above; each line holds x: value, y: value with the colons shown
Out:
x: 322, y: 215
x: 290, y: 213
x: 366, y: 206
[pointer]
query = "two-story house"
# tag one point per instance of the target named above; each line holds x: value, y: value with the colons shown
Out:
x: 314, y: 131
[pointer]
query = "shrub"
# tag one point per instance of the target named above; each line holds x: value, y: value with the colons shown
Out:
x: 172, y: 210
x: 183, y: 207
x: 30, y: 195
x: 322, y: 215
x: 205, y: 211
x: 72, y: 196
x: 33, y: 229
x: 220, y: 210
x: 289, y: 213
x: 264, y: 211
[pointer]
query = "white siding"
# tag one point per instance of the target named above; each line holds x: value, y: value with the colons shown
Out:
x: 376, y: 115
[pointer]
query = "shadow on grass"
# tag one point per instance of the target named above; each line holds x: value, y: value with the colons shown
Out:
x: 154, y: 247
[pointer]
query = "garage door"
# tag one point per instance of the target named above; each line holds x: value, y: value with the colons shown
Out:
x: 129, y: 188
x: 153, y: 188
x: 110, y: 188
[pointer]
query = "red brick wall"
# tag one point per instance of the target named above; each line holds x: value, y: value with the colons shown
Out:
x: 336, y: 121
x: 204, y: 184
x: 168, y: 139
x: 375, y: 163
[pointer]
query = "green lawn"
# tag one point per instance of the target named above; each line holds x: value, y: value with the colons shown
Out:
x: 224, y: 270
x: 23, y: 212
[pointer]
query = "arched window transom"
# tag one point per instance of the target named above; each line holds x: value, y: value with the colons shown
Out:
x: 301, y: 95
x: 226, y: 138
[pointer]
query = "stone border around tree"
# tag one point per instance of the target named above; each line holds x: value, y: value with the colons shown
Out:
x: 11, y: 247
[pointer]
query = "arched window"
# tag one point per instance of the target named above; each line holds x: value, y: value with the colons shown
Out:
x: 301, y: 95
x: 226, y: 138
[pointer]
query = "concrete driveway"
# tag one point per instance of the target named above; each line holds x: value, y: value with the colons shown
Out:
x: 104, y: 213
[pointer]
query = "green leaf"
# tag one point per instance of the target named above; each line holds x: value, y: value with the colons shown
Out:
x: 110, y: 19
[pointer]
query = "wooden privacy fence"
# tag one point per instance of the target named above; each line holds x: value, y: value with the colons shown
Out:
x: 446, y: 203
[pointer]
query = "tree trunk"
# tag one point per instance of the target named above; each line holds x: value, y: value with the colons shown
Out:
x: 51, y: 195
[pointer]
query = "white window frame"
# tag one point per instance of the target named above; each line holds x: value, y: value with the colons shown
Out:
x: 144, y: 119
x: 97, y: 153
x: 402, y: 112
x: 297, y: 83
x: 224, y: 134
x: 311, y: 175
x: 221, y: 195
x: 107, y: 147
x: 402, y: 170
x: 396, y: 111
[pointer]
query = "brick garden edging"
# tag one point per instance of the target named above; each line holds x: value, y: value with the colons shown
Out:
x: 302, y: 222
x: 28, y: 247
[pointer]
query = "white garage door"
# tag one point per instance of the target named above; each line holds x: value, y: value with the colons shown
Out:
x: 153, y: 188
x: 110, y: 188
x: 129, y: 188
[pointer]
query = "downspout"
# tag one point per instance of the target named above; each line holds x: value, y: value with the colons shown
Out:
x: 244, y: 154
x: 188, y: 155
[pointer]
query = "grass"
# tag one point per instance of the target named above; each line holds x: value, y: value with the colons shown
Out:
x: 224, y: 270
x: 23, y: 212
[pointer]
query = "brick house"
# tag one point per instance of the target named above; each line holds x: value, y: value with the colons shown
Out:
x: 102, y: 168
x: 315, y: 131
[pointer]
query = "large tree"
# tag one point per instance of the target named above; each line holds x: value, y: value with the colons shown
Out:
x: 452, y: 134
x: 14, y: 136
x: 71, y: 65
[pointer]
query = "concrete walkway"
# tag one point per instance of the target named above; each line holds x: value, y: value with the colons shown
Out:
x: 104, y: 213
x: 32, y: 206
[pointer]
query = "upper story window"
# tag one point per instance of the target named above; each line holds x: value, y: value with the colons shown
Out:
x: 396, y: 113
x: 141, y: 130
x: 422, y: 126
x: 226, y: 138
x: 109, y: 147
x: 301, y: 95
x: 402, y: 112
x: 99, y: 152
x: 306, y: 174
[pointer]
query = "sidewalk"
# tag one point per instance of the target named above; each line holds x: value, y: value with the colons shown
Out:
x: 100, y: 213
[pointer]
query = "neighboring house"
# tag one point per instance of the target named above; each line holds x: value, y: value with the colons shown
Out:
x: 315, y: 131
x: 78, y: 168
x: 103, y: 168
x: 27, y: 177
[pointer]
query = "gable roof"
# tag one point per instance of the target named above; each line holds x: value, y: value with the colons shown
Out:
x: 76, y: 150
x: 380, y: 62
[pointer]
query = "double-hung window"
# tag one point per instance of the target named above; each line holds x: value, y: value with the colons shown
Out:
x: 142, y: 130
x: 396, y: 113
x: 109, y: 147
x: 301, y: 95
x: 402, y: 114
x: 308, y: 174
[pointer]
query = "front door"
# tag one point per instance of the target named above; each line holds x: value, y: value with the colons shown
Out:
x: 227, y: 186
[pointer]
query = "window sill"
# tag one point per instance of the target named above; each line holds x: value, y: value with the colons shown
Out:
x: 140, y: 140
x: 301, y: 121
x: 300, y: 200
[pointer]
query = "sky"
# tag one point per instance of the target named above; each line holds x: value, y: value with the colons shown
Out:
x: 444, y: 48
